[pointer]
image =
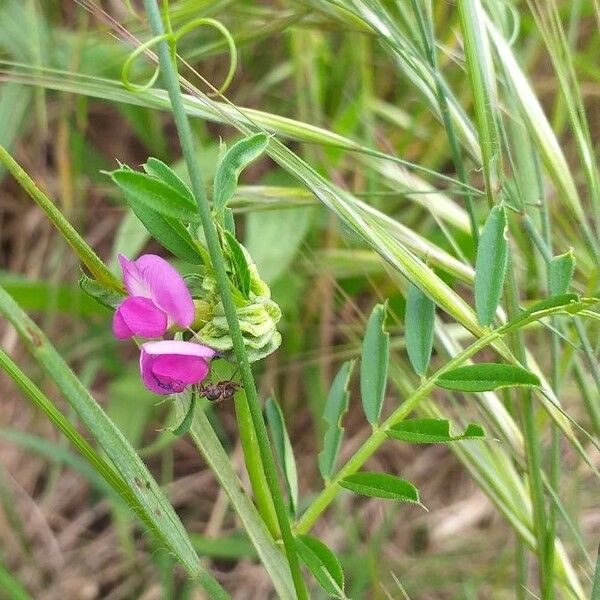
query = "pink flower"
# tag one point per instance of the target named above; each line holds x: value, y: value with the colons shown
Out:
x: 158, y: 298
x: 168, y: 367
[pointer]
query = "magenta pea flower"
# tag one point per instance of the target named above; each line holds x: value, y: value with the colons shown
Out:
x: 168, y: 367
x: 158, y: 298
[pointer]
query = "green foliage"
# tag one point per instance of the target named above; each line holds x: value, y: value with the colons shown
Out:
x: 381, y: 485
x: 375, y: 358
x: 418, y: 325
x: 335, y: 408
x: 485, y: 377
x: 233, y: 162
x: 238, y: 260
x: 147, y: 191
x: 101, y: 293
x: 283, y: 451
x: 323, y: 564
x: 490, y: 266
x: 560, y: 273
x: 432, y: 431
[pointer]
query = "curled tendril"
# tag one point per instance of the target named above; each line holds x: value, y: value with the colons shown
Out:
x: 230, y: 44
x: 172, y: 39
x: 134, y: 87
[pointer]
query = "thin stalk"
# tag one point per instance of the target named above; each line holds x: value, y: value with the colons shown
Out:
x: 171, y: 80
x: 430, y: 54
x: 87, y: 256
x: 530, y: 437
x: 555, y: 463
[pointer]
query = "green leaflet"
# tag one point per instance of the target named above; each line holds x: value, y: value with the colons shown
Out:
x: 323, y: 564
x: 418, y: 325
x: 485, y: 377
x: 335, y: 408
x: 186, y: 422
x: 237, y: 158
x: 490, y: 265
x: 381, y: 485
x: 239, y: 263
x: 560, y: 273
x: 144, y: 190
x: 157, y: 168
x: 374, y: 364
x: 283, y: 450
x: 432, y: 431
x: 101, y: 293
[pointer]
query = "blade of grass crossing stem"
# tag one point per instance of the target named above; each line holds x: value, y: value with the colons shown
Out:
x: 87, y: 256
x: 154, y: 505
x: 481, y: 73
x: 170, y: 78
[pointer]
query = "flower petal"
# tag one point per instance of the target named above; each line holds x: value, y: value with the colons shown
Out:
x: 120, y: 329
x: 168, y: 367
x: 133, y: 278
x: 141, y: 317
x: 178, y: 347
x: 167, y: 289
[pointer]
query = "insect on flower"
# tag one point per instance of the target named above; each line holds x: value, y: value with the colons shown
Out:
x: 220, y: 391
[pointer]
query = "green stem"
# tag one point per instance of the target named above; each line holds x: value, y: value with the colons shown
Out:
x: 209, y: 445
x: 530, y: 436
x: 171, y: 81
x: 87, y: 256
x: 254, y: 465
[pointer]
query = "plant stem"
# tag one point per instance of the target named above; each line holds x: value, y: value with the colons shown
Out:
x: 379, y: 435
x: 171, y: 81
x: 530, y: 436
x: 87, y: 256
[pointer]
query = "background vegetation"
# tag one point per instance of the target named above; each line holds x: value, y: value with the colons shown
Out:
x: 396, y: 126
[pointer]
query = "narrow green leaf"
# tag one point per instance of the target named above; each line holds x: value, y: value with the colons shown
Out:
x: 322, y: 563
x: 374, y: 364
x: 151, y: 504
x: 229, y: 221
x: 238, y: 157
x: 240, y: 264
x: 490, y: 265
x: 283, y: 450
x: 485, y: 377
x: 381, y: 485
x: 560, y: 273
x: 432, y: 431
x: 170, y: 233
x: 147, y: 191
x: 596, y: 584
x: 101, y: 293
x: 418, y: 324
x: 157, y: 168
x: 335, y: 408
x: 13, y: 588
x: 186, y: 422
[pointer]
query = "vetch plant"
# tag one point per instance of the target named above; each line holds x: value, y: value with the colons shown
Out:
x: 488, y: 324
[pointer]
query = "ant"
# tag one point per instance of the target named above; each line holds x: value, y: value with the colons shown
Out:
x: 220, y: 391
